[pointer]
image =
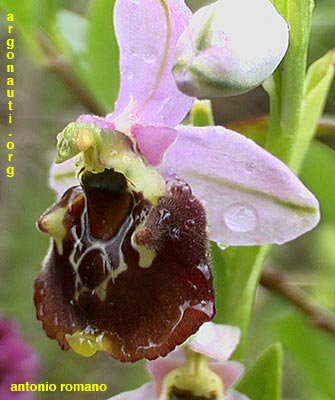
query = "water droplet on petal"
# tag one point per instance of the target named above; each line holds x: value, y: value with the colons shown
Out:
x: 206, y: 307
x: 249, y: 166
x: 222, y: 35
x: 134, y: 52
x: 137, y: 2
x: 163, y: 215
x: 129, y: 76
x: 205, y: 270
x: 56, y: 320
x: 40, y: 310
x: 178, y: 186
x: 222, y: 246
x: 241, y: 218
x: 150, y: 55
x: 126, y: 159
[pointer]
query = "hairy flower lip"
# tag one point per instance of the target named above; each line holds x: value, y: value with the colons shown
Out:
x: 117, y: 258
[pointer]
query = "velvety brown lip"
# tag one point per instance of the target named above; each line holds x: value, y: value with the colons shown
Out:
x: 97, y: 285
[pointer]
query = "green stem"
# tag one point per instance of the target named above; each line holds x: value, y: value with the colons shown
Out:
x: 201, y: 113
x: 237, y: 273
x: 286, y: 89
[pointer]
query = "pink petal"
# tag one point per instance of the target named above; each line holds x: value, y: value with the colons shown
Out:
x: 216, y: 341
x: 147, y: 32
x: 153, y: 141
x: 230, y: 372
x: 251, y: 197
x: 235, y: 395
x: 104, y: 123
x: 160, y: 367
x: 145, y: 392
x: 62, y: 176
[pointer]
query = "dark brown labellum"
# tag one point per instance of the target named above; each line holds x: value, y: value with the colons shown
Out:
x: 177, y: 394
x: 124, y: 275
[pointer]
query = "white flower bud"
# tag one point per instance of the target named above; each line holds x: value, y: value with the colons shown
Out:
x: 230, y: 47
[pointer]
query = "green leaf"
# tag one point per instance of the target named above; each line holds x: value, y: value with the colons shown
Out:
x: 69, y: 32
x: 236, y: 271
x: 318, y: 173
x: 316, y: 88
x: 25, y: 18
x: 25, y: 13
x: 255, y: 129
x: 313, y: 350
x: 29, y: 17
x: 103, y: 54
x: 263, y: 380
x: 72, y: 29
x: 323, y: 28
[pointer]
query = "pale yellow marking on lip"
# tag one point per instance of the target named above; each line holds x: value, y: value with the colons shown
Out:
x: 87, y: 344
x: 146, y: 255
x: 53, y: 224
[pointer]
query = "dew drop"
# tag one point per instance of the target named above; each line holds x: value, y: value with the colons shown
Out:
x: 126, y: 159
x: 150, y: 55
x: 222, y: 246
x: 241, y: 218
x: 249, y: 166
x: 178, y: 186
x: 165, y: 107
x: 220, y: 39
x: 164, y: 215
x: 206, y: 307
x: 40, y: 310
x: 204, y: 268
x: 132, y: 118
x: 129, y: 76
x: 56, y: 320
x: 175, y: 233
x: 134, y: 52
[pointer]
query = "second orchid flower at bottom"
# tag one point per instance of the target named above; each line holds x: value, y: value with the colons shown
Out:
x: 199, y: 370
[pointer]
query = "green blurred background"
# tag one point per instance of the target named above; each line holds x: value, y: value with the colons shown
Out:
x: 44, y: 104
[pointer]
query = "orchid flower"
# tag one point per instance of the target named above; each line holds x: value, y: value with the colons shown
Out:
x: 198, y: 370
x: 128, y: 270
x: 18, y: 362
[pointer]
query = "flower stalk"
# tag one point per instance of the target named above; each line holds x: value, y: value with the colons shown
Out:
x: 286, y: 87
